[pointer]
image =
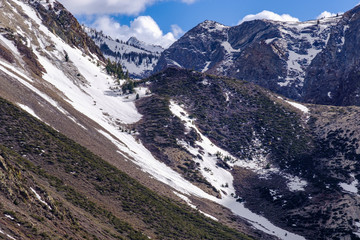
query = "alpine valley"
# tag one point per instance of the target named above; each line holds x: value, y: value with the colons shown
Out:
x: 212, y: 145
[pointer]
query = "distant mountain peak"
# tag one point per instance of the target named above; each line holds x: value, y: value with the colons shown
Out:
x: 212, y: 25
x: 137, y: 57
x: 134, y: 41
x: 281, y: 51
x: 143, y: 45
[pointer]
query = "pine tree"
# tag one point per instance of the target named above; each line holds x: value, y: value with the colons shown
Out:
x: 128, y: 87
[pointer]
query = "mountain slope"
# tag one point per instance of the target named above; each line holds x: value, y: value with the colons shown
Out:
x: 135, y: 56
x: 239, y: 141
x: 76, y: 182
x: 295, y: 59
x: 67, y: 87
x: 234, y: 152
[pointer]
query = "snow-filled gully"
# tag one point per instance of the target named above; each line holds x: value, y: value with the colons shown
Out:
x: 111, y: 108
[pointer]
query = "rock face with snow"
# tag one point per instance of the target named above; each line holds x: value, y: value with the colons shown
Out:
x: 135, y: 56
x: 64, y: 24
x: 333, y: 77
x: 295, y: 59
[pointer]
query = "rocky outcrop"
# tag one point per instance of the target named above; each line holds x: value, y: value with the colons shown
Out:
x: 64, y: 24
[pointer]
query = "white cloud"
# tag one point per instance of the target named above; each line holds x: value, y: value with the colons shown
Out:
x: 176, y: 31
x: 270, y: 16
x: 87, y: 7
x: 128, y: 7
x: 143, y: 28
x: 188, y: 1
x: 326, y: 14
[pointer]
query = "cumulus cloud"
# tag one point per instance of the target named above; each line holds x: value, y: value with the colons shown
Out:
x: 143, y: 28
x: 128, y: 7
x: 176, y: 31
x: 326, y: 14
x: 270, y: 16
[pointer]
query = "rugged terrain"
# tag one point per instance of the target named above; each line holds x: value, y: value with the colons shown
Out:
x: 187, y: 155
x: 313, y: 61
x: 64, y: 84
x: 136, y: 57
x: 296, y: 165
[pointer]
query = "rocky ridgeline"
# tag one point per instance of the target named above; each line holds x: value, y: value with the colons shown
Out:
x: 135, y: 56
x: 313, y: 61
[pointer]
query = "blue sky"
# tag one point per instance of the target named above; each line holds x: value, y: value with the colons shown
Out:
x: 229, y: 12
x: 171, y: 18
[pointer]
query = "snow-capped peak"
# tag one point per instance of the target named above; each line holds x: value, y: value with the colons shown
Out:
x: 133, y: 41
x: 135, y: 56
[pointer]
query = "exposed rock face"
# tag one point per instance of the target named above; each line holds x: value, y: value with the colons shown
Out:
x: 333, y: 76
x: 313, y: 61
x: 64, y: 24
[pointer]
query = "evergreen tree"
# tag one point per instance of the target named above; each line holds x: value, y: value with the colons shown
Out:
x: 114, y: 69
x: 128, y: 87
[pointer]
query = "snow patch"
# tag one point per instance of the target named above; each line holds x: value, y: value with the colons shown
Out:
x: 39, y: 198
x: 9, y: 45
x: 188, y: 201
x: 299, y: 106
x: 357, y: 233
x: 302, y: 46
x: 295, y: 183
x: 206, y: 66
x: 29, y: 110
x: 9, y: 216
x: 352, y: 187
x: 15, y: 70
x: 176, y: 64
x: 268, y: 41
x: 228, y: 48
x: 205, y: 82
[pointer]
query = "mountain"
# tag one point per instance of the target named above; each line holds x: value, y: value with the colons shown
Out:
x: 188, y: 155
x: 312, y: 61
x: 137, y: 57
x: 115, y: 188
x: 294, y: 164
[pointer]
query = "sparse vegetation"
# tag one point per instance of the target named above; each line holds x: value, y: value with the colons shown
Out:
x: 26, y: 136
